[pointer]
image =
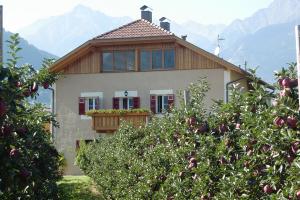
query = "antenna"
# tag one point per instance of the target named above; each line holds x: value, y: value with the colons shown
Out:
x: 218, y: 49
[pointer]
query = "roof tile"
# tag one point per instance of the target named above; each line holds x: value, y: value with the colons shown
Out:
x: 138, y: 28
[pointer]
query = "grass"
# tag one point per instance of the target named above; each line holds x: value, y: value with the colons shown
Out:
x: 78, y: 188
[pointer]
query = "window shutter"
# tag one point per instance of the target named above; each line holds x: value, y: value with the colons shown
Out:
x: 116, y: 103
x: 153, y: 103
x: 136, y: 102
x: 81, y: 105
x: 97, y: 103
x: 77, y: 144
x: 171, y: 100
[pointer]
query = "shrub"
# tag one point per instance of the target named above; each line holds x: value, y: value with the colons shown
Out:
x: 245, y: 149
x: 29, y: 162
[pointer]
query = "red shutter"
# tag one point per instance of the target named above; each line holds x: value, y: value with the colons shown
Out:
x: 116, y: 103
x: 97, y: 103
x: 136, y: 102
x: 153, y: 103
x: 171, y: 100
x: 81, y: 105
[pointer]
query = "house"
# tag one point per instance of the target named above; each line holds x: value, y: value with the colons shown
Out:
x: 138, y: 65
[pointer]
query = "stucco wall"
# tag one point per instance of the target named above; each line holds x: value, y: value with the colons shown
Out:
x: 69, y: 87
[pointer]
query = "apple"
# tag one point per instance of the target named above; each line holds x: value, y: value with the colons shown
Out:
x: 286, y: 82
x: 24, y: 173
x: 191, y: 121
x: 14, y: 153
x: 222, y: 160
x: 223, y: 128
x: 286, y: 92
x: 268, y: 189
x: 192, y: 165
x: 265, y: 148
x: 298, y: 195
x: 46, y: 85
x: 7, y: 130
x: 280, y: 81
x: 202, y: 128
x: 193, y: 160
x: 162, y: 177
x: 34, y: 87
x: 238, y: 126
x: 3, y: 108
x: 279, y: 122
x: 295, y: 146
x: 292, y: 122
x: 22, y: 131
x: 181, y: 174
x: 290, y: 159
x: 18, y: 84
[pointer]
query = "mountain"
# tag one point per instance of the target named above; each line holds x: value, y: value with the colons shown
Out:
x: 266, y: 39
x: 32, y: 55
x: 61, y: 34
x: 29, y: 53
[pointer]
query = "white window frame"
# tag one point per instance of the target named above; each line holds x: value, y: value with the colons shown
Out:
x: 162, y: 93
x: 87, y: 96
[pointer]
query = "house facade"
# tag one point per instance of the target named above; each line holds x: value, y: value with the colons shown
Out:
x: 138, y: 65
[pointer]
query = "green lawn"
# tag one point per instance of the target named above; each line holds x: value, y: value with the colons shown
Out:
x: 77, y: 188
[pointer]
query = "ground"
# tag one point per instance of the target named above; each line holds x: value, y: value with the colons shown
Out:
x: 78, y: 188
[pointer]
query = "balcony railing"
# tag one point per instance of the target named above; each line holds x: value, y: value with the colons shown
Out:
x: 104, y: 122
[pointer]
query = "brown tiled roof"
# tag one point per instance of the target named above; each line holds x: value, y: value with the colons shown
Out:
x: 138, y: 28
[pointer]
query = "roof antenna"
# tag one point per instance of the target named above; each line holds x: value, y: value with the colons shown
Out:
x: 218, y: 49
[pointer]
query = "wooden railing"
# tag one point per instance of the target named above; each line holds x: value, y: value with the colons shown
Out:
x: 110, y: 122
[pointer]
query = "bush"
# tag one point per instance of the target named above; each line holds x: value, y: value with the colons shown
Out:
x: 29, y: 162
x: 245, y: 149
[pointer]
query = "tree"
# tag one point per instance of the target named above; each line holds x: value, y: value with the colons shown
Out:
x: 29, y: 162
x: 245, y: 149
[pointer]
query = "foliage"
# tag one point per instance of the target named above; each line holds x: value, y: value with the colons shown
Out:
x: 29, y: 162
x: 245, y: 149
x: 114, y: 111
x: 77, y: 188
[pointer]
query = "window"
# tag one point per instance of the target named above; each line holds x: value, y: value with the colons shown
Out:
x: 126, y: 103
x: 145, y: 60
x: 89, y: 101
x: 157, y: 59
x: 118, y: 60
x: 161, y: 103
x: 107, y: 58
x: 169, y: 58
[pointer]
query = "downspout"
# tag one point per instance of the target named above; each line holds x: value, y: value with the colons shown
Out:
x: 53, y: 112
x: 229, y: 83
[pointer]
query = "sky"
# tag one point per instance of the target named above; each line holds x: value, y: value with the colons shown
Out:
x: 21, y: 13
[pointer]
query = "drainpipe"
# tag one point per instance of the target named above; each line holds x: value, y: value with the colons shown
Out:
x: 229, y: 83
x: 53, y: 112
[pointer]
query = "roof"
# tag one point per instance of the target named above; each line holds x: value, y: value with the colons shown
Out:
x: 135, y: 29
x: 135, y: 32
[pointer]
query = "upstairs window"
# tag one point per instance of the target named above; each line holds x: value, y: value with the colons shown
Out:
x: 157, y: 59
x: 118, y: 61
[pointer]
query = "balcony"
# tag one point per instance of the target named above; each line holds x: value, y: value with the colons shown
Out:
x: 108, y: 121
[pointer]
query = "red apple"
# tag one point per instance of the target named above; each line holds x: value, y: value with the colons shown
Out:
x: 286, y: 92
x: 22, y: 131
x: 3, y: 108
x: 202, y: 128
x: 222, y: 160
x: 294, y: 83
x: 46, y: 85
x: 191, y: 121
x: 286, y: 82
x: 192, y: 165
x: 7, y: 130
x: 18, y: 84
x: 280, y: 81
x: 238, y: 126
x: 290, y: 159
x: 34, y: 87
x: 27, y: 93
x: 292, y: 122
x: 223, y: 128
x: 193, y: 160
x: 14, y: 153
x: 298, y: 195
x: 265, y: 148
x: 295, y: 146
x: 279, y: 122
x: 268, y: 189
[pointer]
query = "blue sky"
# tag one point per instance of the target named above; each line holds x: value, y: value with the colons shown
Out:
x: 20, y: 13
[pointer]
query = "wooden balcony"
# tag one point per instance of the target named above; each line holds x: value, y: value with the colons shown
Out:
x: 110, y: 122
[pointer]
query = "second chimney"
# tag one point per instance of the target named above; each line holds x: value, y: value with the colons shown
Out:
x: 146, y: 13
x: 164, y: 23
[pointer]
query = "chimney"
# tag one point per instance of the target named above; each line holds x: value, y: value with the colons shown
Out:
x: 146, y: 13
x: 184, y: 37
x: 164, y: 23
